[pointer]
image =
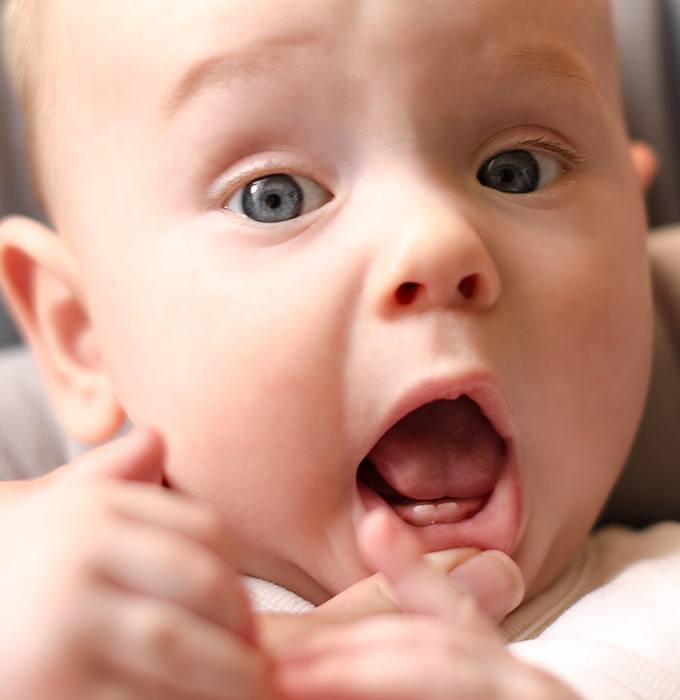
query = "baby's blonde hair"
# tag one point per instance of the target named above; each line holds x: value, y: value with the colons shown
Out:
x: 22, y: 48
x: 23, y: 42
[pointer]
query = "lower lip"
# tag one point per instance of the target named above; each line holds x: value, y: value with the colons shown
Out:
x: 495, y: 526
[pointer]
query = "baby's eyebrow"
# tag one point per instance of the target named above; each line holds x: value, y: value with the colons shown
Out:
x: 547, y: 62
x: 543, y: 61
x: 229, y: 67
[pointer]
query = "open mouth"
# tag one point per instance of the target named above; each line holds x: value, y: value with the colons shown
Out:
x: 439, y: 468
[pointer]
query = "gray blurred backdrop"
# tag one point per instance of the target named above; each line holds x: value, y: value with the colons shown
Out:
x: 16, y: 195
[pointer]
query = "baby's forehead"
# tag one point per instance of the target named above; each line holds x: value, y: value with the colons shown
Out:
x: 130, y: 34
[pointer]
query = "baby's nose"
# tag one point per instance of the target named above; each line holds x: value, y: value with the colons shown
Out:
x: 435, y: 256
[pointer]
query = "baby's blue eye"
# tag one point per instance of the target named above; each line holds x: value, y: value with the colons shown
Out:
x: 519, y: 172
x: 276, y: 198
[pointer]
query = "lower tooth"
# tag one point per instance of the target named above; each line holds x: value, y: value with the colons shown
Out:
x: 445, y: 512
x: 423, y: 514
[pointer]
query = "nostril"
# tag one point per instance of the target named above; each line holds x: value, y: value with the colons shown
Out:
x: 468, y: 286
x: 407, y: 293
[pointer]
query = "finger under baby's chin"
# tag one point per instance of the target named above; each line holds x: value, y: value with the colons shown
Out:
x: 407, y: 633
x: 374, y: 672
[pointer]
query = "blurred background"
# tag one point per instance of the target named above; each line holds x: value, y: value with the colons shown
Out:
x: 16, y: 195
x: 649, y: 37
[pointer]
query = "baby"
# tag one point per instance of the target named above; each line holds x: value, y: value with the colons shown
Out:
x: 346, y: 256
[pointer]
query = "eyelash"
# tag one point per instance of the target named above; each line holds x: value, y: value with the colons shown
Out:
x: 225, y: 188
x: 566, y: 153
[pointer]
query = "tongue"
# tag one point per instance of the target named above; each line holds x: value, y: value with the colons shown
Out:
x: 445, y: 449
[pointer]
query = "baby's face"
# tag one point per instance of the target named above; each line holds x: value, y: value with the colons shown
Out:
x: 302, y: 228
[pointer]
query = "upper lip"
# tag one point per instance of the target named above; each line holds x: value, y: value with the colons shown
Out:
x: 478, y: 385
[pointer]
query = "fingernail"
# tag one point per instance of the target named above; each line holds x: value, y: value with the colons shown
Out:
x: 493, y: 580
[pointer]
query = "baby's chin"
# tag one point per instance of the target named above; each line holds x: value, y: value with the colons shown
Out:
x: 317, y: 576
x: 542, y: 562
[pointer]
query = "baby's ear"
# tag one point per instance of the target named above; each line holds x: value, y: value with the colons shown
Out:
x: 41, y: 281
x: 645, y: 162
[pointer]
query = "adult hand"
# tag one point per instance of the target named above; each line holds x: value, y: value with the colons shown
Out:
x: 444, y: 646
x: 491, y: 578
x: 113, y: 587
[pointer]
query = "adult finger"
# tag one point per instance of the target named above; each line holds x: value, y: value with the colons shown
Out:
x: 369, y: 634
x: 156, y: 564
x: 155, y: 640
x: 122, y: 685
x: 368, y: 597
x: 175, y: 512
x: 137, y: 456
x: 195, y: 568
x: 418, y: 586
x: 494, y: 581
x: 381, y: 657
x: 492, y: 578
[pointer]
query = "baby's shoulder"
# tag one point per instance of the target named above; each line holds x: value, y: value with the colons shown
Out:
x: 618, y: 625
x: 618, y: 566
x: 615, y: 550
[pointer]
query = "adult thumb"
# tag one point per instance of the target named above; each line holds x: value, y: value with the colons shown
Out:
x: 137, y: 456
x: 495, y: 582
x: 490, y: 578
